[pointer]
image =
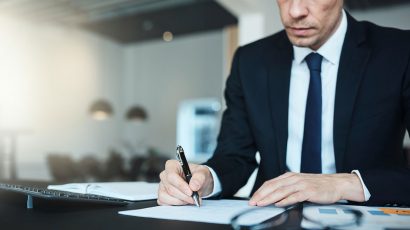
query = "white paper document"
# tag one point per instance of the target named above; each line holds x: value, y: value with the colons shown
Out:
x: 211, y: 211
x: 373, y: 218
x: 131, y: 191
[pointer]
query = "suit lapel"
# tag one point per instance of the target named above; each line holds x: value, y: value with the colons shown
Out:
x: 353, y: 61
x: 279, y: 62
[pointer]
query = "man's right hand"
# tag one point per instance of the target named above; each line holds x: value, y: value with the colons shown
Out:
x: 174, y: 190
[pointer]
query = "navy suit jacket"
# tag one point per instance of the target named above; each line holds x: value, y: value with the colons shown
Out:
x: 372, y: 112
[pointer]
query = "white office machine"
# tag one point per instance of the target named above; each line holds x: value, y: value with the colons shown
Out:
x: 198, y: 124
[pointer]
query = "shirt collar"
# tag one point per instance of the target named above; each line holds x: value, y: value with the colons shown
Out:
x: 332, y: 48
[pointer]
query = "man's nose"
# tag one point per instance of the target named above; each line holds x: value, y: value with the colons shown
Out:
x: 298, y: 9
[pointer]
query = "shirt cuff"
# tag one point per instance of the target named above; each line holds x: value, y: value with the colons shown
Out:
x: 366, y: 191
x: 217, y: 184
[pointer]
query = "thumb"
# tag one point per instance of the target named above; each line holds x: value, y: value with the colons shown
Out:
x: 197, y: 181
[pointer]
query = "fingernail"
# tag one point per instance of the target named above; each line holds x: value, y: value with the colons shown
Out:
x: 260, y: 203
x: 195, y: 185
x: 251, y: 202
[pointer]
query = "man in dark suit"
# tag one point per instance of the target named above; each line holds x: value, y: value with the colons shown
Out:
x: 325, y: 102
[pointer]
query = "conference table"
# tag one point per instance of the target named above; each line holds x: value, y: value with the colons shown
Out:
x: 47, y: 214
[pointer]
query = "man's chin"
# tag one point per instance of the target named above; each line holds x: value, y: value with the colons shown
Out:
x: 301, y: 42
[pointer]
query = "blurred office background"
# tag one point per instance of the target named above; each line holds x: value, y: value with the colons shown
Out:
x: 108, y: 87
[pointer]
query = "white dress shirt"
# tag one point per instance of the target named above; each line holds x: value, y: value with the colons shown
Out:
x: 299, y: 85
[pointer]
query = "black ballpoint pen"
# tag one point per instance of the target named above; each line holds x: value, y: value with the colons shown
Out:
x: 187, y: 172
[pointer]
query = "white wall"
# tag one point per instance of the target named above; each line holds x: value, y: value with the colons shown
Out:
x: 395, y: 16
x: 256, y: 19
x: 49, y: 75
x: 158, y: 75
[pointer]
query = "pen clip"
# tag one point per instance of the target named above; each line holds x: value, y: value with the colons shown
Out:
x: 179, y: 150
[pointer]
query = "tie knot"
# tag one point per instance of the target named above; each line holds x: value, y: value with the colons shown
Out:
x: 314, y: 61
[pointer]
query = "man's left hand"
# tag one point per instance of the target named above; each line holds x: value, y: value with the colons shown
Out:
x: 291, y: 188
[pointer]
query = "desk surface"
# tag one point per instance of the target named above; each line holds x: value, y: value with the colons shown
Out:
x: 66, y: 215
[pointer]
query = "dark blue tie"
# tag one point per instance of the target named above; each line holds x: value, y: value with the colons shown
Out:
x: 312, y: 136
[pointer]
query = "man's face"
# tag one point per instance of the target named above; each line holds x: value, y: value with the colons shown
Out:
x: 309, y: 23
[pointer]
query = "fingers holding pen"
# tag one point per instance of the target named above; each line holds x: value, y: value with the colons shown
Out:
x: 165, y: 198
x: 173, y: 189
x: 173, y: 184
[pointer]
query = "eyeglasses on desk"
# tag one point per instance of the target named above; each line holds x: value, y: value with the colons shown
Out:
x: 351, y: 218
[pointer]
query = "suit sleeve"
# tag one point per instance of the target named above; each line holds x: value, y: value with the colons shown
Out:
x: 392, y: 186
x: 234, y: 157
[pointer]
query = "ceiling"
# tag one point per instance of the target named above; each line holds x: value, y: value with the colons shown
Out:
x: 84, y: 11
x: 192, y: 17
x: 129, y: 21
x: 126, y: 21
